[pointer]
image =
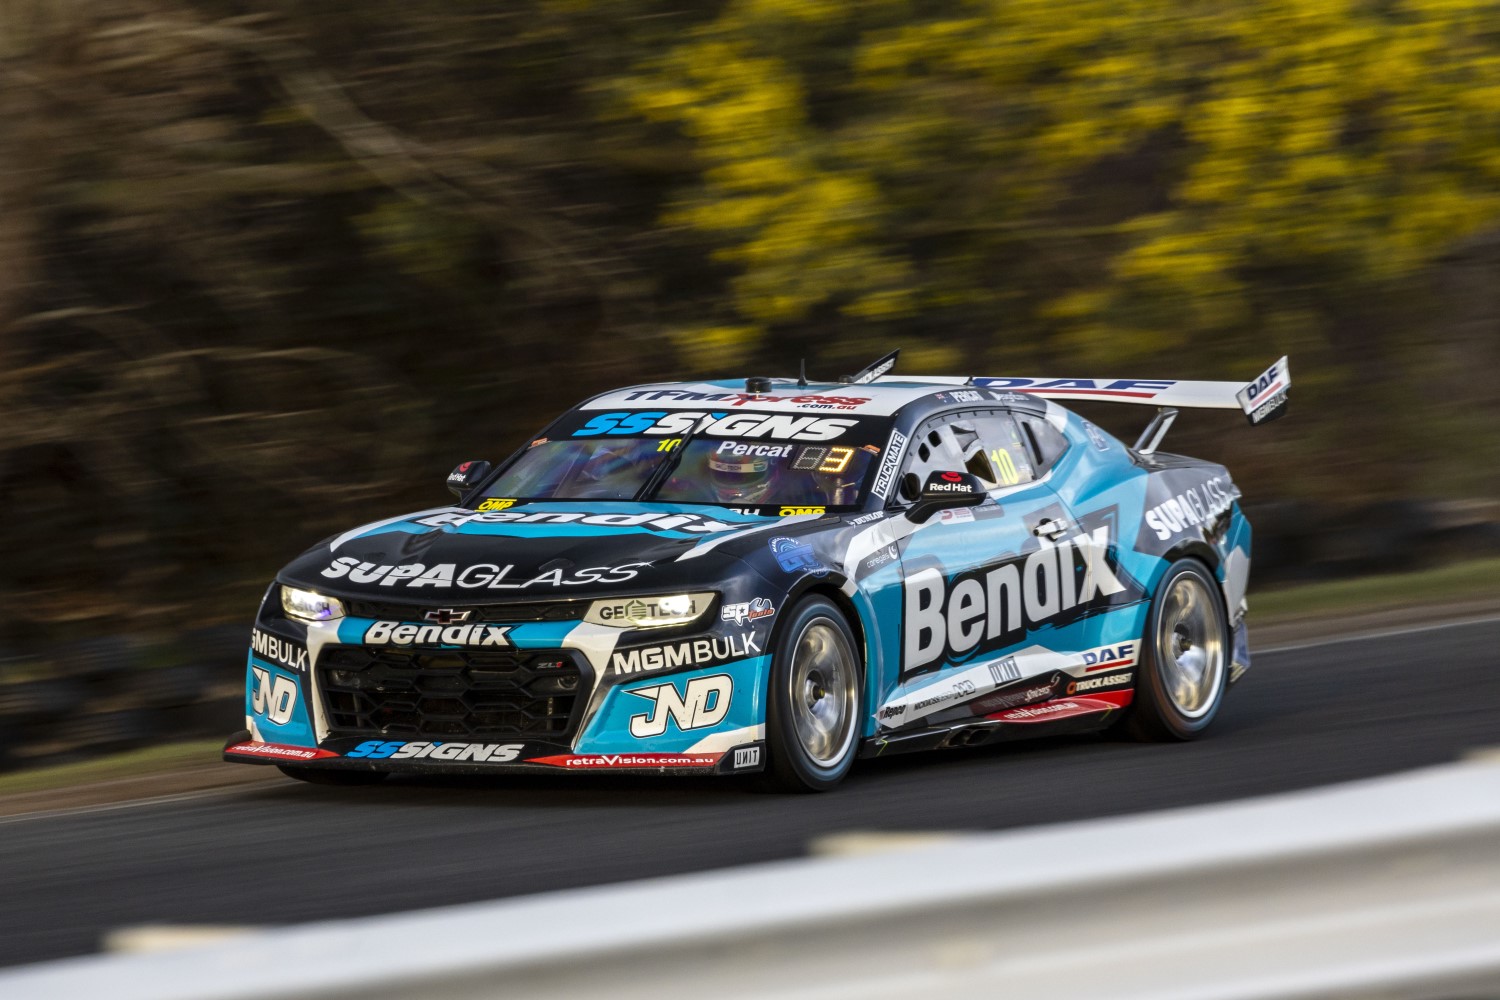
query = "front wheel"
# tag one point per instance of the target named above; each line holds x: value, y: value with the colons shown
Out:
x: 1180, y: 681
x: 812, y: 712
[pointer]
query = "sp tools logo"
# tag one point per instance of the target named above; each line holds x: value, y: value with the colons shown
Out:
x: 704, y: 703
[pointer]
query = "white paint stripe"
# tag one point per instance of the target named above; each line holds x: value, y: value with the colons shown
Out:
x: 708, y: 545
x: 150, y: 938
x: 1362, y: 636
x: 155, y: 800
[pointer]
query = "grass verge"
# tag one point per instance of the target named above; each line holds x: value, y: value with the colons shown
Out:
x: 131, y: 764
x: 1465, y: 582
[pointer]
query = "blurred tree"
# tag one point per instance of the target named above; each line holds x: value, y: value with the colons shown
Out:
x: 269, y: 268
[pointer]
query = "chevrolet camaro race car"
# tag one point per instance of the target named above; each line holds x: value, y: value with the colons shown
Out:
x: 770, y: 576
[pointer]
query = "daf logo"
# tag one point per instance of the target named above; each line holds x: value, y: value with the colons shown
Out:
x: 447, y: 616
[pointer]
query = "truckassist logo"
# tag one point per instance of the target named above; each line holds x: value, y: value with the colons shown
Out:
x: 948, y: 619
x: 779, y: 426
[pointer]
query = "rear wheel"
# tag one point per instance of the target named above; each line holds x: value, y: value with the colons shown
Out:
x: 812, y: 711
x: 328, y: 776
x: 1181, y: 679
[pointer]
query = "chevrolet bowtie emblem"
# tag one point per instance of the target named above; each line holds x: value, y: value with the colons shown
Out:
x: 447, y: 616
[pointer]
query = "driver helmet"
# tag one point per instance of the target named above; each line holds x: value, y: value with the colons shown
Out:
x: 740, y: 478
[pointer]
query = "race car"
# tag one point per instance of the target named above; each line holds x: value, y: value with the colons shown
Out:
x: 775, y: 577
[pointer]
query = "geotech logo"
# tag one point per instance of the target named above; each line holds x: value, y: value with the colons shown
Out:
x: 989, y: 609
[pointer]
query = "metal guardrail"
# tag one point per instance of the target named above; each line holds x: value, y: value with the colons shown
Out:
x: 1390, y: 885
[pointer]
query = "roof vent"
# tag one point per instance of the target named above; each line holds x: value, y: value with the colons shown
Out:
x: 757, y: 384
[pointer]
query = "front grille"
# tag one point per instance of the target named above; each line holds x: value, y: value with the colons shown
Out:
x: 453, y: 693
x: 547, y: 611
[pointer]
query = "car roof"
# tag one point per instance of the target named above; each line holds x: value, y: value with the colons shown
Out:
x: 883, y: 398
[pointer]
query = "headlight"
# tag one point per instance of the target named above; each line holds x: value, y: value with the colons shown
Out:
x: 310, y: 606
x: 650, y: 612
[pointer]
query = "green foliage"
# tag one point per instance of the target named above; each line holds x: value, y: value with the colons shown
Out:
x: 263, y: 275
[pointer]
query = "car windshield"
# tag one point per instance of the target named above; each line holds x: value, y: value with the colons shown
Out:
x: 736, y: 472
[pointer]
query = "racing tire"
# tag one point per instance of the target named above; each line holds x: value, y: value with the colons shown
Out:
x: 328, y: 776
x: 1183, y: 673
x: 813, y: 701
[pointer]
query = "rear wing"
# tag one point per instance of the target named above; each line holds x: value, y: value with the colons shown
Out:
x: 1263, y: 398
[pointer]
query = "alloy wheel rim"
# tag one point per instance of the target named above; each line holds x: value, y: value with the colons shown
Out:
x: 824, y: 684
x: 1190, y: 647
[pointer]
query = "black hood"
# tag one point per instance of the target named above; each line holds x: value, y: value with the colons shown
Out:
x: 532, y: 551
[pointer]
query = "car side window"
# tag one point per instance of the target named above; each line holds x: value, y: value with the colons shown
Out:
x: 1047, y: 441
x: 939, y: 445
x: 1004, y: 451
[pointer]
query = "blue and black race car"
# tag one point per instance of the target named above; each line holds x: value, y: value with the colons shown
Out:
x: 767, y: 575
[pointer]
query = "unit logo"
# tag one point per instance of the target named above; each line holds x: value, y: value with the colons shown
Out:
x: 703, y: 703
x: 746, y: 757
x: 992, y: 607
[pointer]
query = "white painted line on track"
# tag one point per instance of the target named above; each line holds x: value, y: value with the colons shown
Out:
x: 155, y: 800
x: 1362, y: 636
x: 150, y: 938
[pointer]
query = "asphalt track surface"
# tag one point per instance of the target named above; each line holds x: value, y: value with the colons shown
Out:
x: 289, y: 853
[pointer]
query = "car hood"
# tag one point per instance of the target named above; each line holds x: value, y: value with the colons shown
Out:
x: 528, y: 551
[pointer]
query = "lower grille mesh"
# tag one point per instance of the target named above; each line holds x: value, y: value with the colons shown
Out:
x: 449, y: 693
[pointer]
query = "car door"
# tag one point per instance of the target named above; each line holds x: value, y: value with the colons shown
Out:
x: 977, y: 582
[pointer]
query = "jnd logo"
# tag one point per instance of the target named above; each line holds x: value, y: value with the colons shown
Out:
x: 273, y: 696
x: 704, y: 703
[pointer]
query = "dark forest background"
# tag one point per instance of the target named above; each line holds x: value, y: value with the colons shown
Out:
x: 269, y: 269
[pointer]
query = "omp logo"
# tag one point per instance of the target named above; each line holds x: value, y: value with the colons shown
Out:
x: 946, y: 619
x: 496, y: 503
x: 273, y: 696
x: 705, y: 702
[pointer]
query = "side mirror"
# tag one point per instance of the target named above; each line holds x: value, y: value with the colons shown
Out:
x: 945, y: 491
x: 468, y: 475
